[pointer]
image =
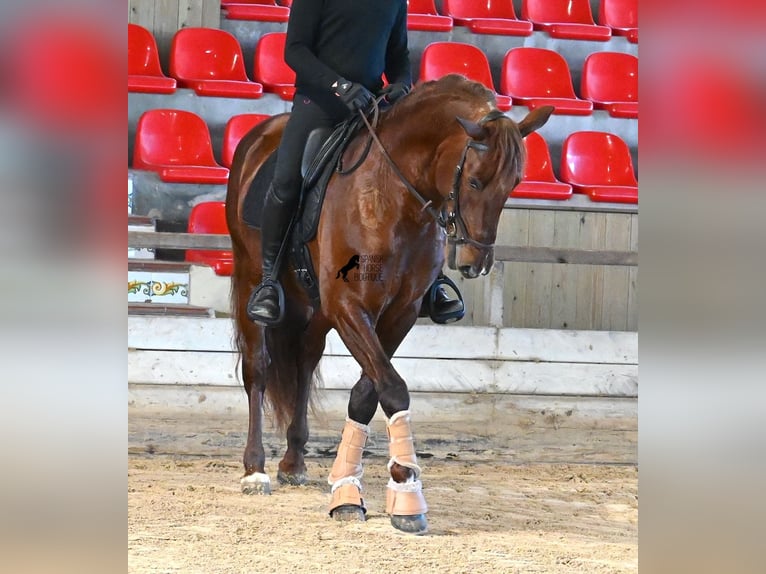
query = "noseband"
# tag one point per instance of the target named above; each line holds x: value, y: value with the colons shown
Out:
x: 449, y: 217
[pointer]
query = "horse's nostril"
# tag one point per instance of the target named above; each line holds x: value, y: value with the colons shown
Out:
x: 468, y: 271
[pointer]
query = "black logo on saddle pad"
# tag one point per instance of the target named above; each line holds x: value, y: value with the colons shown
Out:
x: 370, y: 268
x: 353, y: 263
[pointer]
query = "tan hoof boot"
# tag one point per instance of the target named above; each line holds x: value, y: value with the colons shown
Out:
x: 348, y: 461
x: 400, y: 444
x: 407, y: 506
x: 346, y: 503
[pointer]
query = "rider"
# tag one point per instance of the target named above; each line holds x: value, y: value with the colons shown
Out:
x: 339, y: 50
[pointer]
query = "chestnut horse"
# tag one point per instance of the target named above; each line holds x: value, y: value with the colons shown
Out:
x: 395, y: 212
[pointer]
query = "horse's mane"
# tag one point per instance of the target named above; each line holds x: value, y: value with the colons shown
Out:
x: 456, y: 91
x: 453, y: 87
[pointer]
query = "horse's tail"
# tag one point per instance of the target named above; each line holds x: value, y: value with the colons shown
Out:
x: 264, y: 354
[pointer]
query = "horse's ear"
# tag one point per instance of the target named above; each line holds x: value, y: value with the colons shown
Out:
x: 535, y: 120
x: 473, y: 129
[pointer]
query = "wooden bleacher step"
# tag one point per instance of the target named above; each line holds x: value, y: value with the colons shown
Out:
x: 166, y: 309
x: 145, y: 225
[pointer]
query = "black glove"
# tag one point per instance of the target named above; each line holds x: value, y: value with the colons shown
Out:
x: 393, y: 92
x: 355, y: 96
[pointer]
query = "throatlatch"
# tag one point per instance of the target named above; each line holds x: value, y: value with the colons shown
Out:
x: 403, y: 498
x: 346, y: 473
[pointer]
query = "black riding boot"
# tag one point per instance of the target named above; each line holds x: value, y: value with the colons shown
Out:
x: 266, y: 304
x: 438, y: 305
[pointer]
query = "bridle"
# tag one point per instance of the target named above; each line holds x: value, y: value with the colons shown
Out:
x: 449, y: 216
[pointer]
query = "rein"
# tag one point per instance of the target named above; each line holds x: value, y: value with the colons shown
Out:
x: 425, y: 203
x: 450, y: 220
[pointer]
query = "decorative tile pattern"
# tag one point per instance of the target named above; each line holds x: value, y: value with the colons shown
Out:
x: 149, y: 287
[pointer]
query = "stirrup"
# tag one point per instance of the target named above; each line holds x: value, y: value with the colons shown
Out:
x: 443, y: 318
x: 280, y: 302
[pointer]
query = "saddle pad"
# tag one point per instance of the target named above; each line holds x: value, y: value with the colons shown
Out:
x: 252, y: 208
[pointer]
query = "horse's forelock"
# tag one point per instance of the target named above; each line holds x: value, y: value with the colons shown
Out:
x: 506, y: 142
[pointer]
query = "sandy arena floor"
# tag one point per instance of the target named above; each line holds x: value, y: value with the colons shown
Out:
x: 188, y: 515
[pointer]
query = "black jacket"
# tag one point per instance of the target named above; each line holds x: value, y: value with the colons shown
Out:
x: 358, y: 40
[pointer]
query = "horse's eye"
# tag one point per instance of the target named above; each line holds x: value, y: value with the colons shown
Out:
x: 474, y: 183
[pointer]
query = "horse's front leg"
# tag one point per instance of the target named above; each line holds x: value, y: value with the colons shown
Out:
x: 404, y: 501
x: 345, y: 476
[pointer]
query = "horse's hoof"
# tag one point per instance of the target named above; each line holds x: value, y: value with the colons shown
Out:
x: 256, y: 483
x: 298, y: 479
x: 415, y: 524
x: 348, y: 513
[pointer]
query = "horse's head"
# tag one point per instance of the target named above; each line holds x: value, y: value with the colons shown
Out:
x: 490, y: 165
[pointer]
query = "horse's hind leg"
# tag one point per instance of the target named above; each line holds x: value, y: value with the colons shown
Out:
x: 255, y: 480
x: 309, y: 349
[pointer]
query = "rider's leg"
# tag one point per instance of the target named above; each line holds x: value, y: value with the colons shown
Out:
x: 265, y: 305
x: 282, y: 199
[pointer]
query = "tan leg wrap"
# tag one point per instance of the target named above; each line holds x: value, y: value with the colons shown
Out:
x: 405, y: 499
x: 347, y: 491
x: 348, y: 461
x: 401, y: 446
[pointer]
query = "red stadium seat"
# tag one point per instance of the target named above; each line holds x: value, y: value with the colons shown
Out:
x: 599, y: 165
x: 209, y: 61
x: 567, y: 19
x: 536, y: 77
x: 443, y: 58
x: 538, y: 181
x: 144, y: 70
x: 236, y: 128
x: 270, y: 68
x: 487, y: 17
x: 422, y: 15
x: 621, y: 16
x: 610, y: 81
x: 210, y: 217
x: 176, y: 144
x: 258, y: 10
